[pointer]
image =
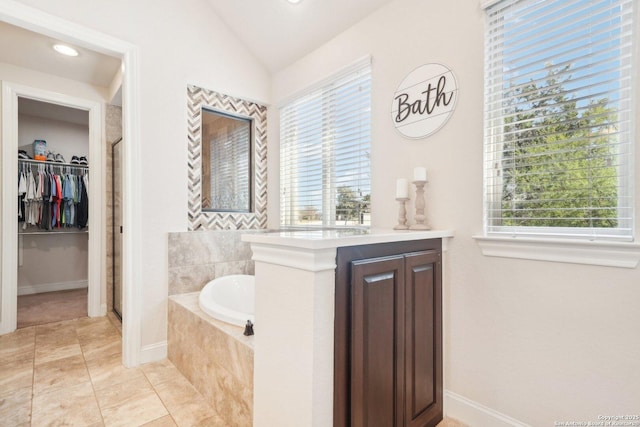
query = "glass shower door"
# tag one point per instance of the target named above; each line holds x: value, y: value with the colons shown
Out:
x: 117, y: 227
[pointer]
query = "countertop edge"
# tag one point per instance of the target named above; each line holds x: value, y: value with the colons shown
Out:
x: 322, y: 239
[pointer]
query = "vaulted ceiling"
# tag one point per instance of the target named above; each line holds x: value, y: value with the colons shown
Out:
x: 277, y: 32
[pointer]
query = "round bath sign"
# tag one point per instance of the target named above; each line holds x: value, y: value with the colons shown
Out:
x: 424, y: 101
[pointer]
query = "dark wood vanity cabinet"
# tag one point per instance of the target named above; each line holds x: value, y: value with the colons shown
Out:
x: 388, y: 345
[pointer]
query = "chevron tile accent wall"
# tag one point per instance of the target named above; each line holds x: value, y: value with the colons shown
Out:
x: 205, y: 220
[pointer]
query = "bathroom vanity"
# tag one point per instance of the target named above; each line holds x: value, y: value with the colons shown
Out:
x: 348, y: 327
x: 388, y: 334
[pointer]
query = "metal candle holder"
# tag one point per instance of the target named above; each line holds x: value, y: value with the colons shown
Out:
x: 419, y: 217
x: 402, y: 214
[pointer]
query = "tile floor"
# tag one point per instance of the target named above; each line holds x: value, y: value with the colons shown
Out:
x: 49, y: 307
x: 70, y: 374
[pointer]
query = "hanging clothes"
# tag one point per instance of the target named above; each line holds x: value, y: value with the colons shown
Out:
x: 38, y: 198
x: 22, y: 191
x: 52, y: 197
x: 82, y: 211
x: 45, y: 219
x: 29, y: 201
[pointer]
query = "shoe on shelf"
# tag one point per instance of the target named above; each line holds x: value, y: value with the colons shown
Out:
x: 23, y: 155
x: 75, y: 160
x: 51, y: 157
x: 83, y: 160
x: 59, y: 158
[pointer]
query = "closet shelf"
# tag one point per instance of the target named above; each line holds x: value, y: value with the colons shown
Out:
x: 52, y: 232
x: 42, y: 162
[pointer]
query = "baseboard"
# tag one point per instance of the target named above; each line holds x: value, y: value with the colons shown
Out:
x: 51, y: 287
x: 475, y: 414
x: 153, y: 352
x: 5, y: 329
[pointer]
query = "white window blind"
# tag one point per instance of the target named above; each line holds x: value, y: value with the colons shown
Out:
x: 325, y: 138
x: 230, y: 166
x: 558, y: 118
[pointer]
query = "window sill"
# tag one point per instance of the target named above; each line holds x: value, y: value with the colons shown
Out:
x: 609, y: 254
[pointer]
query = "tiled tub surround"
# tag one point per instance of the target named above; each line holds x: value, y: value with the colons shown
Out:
x: 214, y: 356
x: 196, y: 257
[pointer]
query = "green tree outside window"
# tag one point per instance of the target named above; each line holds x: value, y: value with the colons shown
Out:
x: 558, y: 161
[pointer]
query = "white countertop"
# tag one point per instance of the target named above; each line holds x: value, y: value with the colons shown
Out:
x: 336, y: 238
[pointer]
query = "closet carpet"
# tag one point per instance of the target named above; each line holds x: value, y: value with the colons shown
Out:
x: 49, y: 307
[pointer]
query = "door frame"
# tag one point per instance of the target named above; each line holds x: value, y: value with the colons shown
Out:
x: 33, y: 19
x: 10, y: 94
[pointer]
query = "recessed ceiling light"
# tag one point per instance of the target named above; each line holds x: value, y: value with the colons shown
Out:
x: 65, y: 50
x: 293, y: 1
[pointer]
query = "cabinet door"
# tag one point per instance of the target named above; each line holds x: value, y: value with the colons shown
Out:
x: 377, y: 342
x: 423, y: 337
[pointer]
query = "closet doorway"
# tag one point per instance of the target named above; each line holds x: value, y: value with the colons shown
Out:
x: 12, y: 95
x: 53, y: 234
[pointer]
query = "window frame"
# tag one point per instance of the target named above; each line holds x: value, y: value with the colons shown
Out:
x: 323, y: 90
x: 492, y: 177
x: 560, y: 247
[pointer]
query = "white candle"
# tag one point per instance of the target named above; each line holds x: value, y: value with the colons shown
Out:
x: 420, y: 174
x: 402, y: 189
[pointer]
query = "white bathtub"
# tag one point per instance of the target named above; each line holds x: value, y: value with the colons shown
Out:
x: 229, y: 298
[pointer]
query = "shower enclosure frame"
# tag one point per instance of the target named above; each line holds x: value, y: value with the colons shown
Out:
x: 116, y: 230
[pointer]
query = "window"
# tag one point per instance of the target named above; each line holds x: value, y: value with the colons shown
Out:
x: 325, y: 140
x: 558, y: 118
x: 226, y: 162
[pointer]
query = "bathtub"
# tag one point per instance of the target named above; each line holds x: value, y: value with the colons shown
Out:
x: 229, y: 298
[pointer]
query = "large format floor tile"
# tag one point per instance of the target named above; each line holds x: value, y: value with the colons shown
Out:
x: 70, y: 373
x: 70, y: 406
x: 15, y: 407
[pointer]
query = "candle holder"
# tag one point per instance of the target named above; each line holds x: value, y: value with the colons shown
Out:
x: 419, y: 217
x: 402, y: 214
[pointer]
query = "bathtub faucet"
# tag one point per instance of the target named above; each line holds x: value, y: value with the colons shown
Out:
x: 248, y: 328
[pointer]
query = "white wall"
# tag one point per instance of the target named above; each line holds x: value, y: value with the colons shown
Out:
x: 179, y: 42
x: 68, y: 139
x: 52, y: 262
x: 536, y: 341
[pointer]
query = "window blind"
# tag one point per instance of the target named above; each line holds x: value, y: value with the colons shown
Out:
x: 558, y: 118
x: 325, y: 138
x: 230, y: 167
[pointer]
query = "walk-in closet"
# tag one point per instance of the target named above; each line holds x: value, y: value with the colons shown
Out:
x: 53, y: 212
